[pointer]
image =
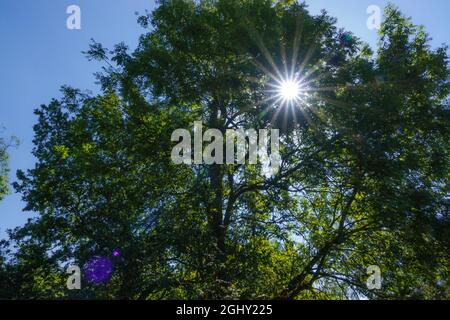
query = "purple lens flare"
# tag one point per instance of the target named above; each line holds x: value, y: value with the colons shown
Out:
x: 116, y: 253
x: 98, y: 270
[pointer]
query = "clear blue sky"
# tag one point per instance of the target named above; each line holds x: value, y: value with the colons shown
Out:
x: 39, y: 54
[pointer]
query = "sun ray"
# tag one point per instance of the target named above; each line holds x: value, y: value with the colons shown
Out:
x: 289, y: 83
x: 259, y: 42
x: 296, y: 44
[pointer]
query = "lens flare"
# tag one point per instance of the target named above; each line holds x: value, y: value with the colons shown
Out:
x: 288, y: 91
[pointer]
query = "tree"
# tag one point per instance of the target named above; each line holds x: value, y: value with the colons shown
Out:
x: 363, y: 178
x: 3, y: 169
x: 4, y: 190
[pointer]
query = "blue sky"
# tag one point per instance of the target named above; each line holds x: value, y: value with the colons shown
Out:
x: 39, y: 54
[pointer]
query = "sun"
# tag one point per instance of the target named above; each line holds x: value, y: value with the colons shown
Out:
x: 289, y: 91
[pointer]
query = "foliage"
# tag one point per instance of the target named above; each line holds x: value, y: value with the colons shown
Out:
x: 363, y: 180
x: 3, y: 169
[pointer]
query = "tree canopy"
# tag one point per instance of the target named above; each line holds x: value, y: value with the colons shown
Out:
x: 363, y: 178
x: 3, y: 169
